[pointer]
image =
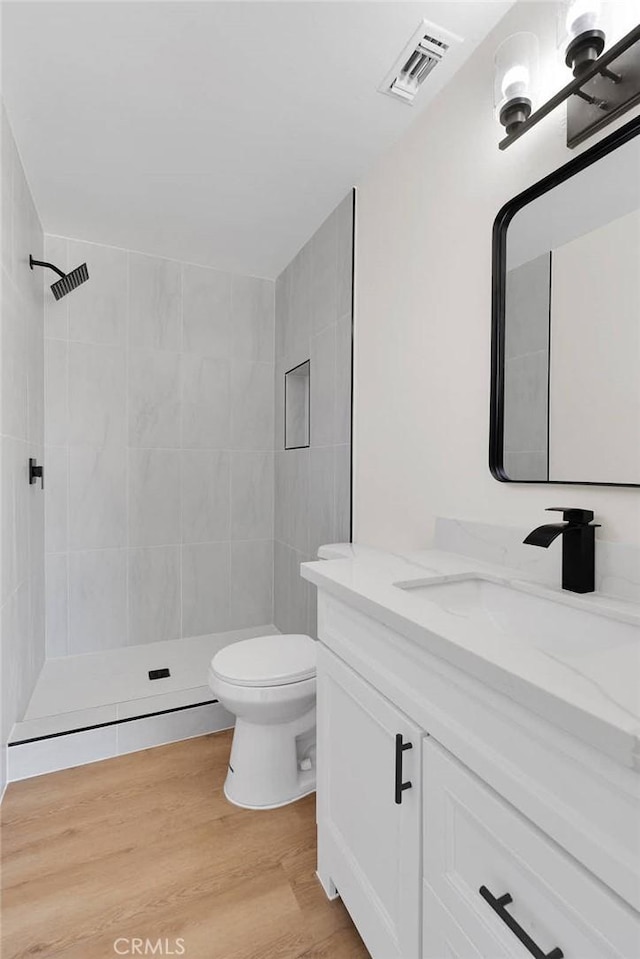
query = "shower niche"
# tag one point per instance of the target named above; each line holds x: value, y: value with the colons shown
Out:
x: 296, y: 407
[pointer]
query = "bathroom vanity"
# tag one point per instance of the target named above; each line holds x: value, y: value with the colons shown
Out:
x: 478, y: 760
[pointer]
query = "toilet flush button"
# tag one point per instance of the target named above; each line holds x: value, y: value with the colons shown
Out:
x: 305, y: 765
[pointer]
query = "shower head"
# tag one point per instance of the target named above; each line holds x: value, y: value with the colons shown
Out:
x: 67, y: 281
x: 70, y: 281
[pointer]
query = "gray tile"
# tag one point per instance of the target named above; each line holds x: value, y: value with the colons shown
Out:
x: 97, y: 395
x: 252, y: 318
x: 37, y: 595
x: 56, y: 587
x: 251, y: 583
x: 27, y: 239
x: 15, y: 514
x: 154, y: 497
x: 56, y: 368
x: 526, y: 465
x: 291, y: 595
x: 252, y: 495
x: 205, y: 588
x: 206, y: 311
x: 14, y: 621
x: 98, y: 308
x: 342, y: 498
x: 97, y: 498
x: 278, y: 431
x: 154, y: 399
x: 153, y: 584
x: 282, y: 308
x: 292, y: 499
x: 154, y: 303
x: 527, y: 307
x: 97, y: 600
x: 205, y: 403
x: 312, y: 608
x: 251, y: 405
x: 14, y: 364
x: 56, y: 312
x: 321, y: 513
x: 56, y: 470
x: 35, y: 375
x: 323, y: 388
x: 205, y: 495
x: 8, y: 159
x: 323, y: 276
x: 296, y: 335
x: 343, y: 381
x: 345, y: 255
x: 526, y: 402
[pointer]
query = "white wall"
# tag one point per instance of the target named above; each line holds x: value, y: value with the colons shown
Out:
x: 423, y: 314
x: 159, y: 457
x: 21, y: 437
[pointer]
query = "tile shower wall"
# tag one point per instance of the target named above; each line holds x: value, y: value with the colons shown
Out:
x: 21, y: 437
x: 159, y: 458
x: 313, y: 485
x: 526, y: 388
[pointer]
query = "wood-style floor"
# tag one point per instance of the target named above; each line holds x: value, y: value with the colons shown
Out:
x: 146, y: 846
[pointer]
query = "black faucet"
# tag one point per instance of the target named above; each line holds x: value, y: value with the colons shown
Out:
x: 578, y: 546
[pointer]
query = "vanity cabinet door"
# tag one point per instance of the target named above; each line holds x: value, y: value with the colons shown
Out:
x: 369, y: 827
x: 508, y: 888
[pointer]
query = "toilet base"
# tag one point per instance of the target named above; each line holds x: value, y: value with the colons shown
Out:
x: 277, y: 805
x: 264, y: 766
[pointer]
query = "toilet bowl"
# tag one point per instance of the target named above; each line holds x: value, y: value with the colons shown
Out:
x: 269, y: 684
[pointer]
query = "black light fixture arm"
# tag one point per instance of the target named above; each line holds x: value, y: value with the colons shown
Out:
x: 599, y: 67
x: 50, y: 266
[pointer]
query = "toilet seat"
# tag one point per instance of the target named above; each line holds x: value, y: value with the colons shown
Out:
x: 266, y: 661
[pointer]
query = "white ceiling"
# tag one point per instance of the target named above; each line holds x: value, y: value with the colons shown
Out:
x: 220, y: 133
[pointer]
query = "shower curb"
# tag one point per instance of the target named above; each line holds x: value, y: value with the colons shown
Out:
x: 52, y: 752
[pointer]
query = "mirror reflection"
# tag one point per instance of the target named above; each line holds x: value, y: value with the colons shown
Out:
x: 572, y: 328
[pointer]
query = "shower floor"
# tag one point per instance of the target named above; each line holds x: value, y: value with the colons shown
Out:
x: 95, y: 689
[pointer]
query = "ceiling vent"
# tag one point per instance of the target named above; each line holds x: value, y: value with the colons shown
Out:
x: 424, y: 51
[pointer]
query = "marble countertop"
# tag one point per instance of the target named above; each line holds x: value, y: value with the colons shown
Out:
x: 589, y: 690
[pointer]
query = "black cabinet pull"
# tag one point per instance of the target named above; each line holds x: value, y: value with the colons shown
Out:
x: 499, y: 907
x: 35, y: 473
x: 400, y: 786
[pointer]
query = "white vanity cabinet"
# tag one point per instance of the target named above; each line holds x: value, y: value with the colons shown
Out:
x: 369, y: 808
x: 461, y: 863
x: 509, y: 889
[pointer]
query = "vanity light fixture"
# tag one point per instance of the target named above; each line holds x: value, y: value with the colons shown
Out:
x: 516, y: 67
x: 605, y: 85
x: 581, y: 20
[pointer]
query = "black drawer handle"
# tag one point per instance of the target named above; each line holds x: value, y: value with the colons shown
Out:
x: 400, y: 786
x: 499, y: 906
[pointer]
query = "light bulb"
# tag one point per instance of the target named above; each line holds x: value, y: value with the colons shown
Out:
x: 582, y: 15
x: 515, y: 82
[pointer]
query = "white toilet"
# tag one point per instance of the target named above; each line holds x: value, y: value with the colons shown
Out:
x: 269, y: 683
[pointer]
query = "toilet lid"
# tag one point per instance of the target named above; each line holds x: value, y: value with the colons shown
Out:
x: 266, y: 660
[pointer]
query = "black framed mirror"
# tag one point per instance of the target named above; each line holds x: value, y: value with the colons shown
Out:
x: 565, y: 362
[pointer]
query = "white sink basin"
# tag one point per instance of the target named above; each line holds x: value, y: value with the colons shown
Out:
x: 553, y: 625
